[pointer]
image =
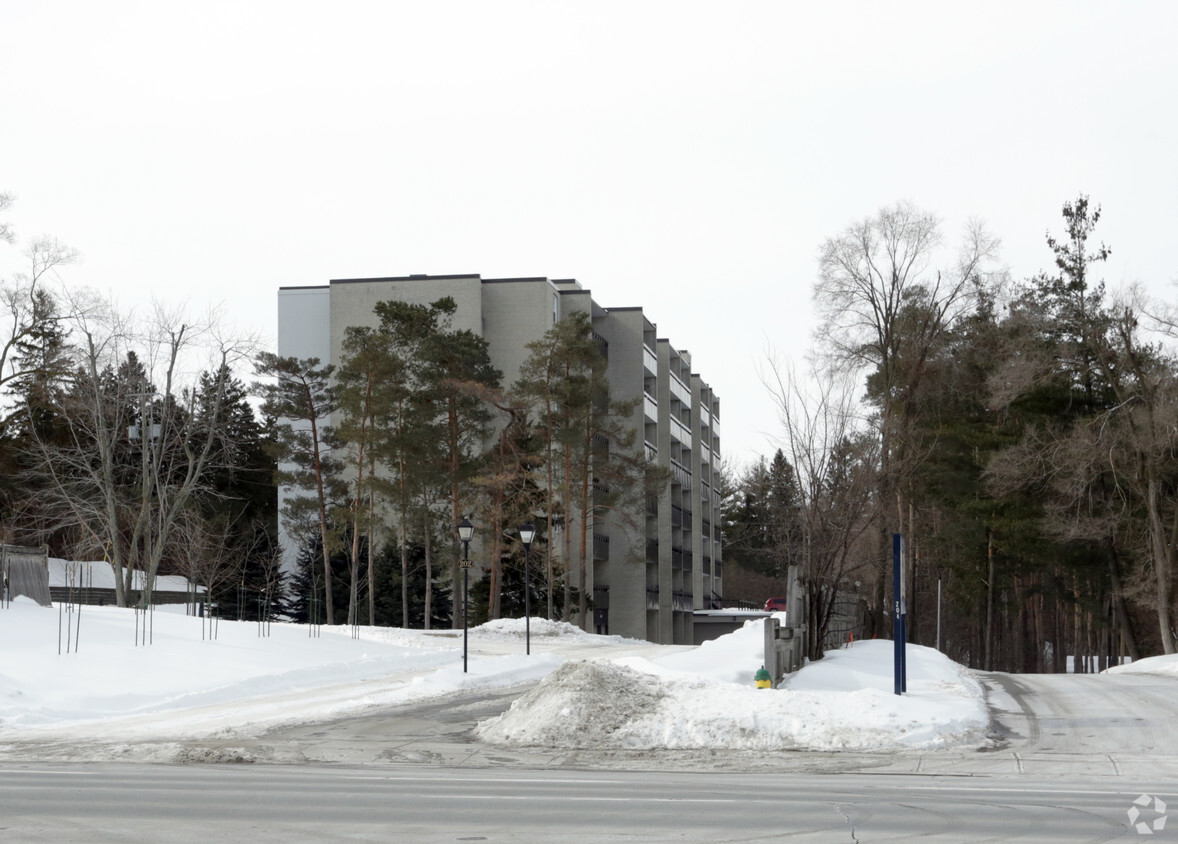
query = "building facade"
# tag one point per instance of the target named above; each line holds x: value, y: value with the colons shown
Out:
x: 649, y: 572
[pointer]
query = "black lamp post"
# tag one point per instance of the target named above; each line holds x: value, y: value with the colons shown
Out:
x: 526, y: 534
x: 465, y: 533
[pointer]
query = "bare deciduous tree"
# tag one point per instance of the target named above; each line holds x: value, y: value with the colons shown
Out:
x: 211, y: 558
x: 833, y: 459
x: 883, y: 308
x: 140, y: 435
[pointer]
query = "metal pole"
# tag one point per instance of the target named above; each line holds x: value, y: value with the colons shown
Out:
x: 527, y: 602
x: 465, y: 593
x: 465, y: 563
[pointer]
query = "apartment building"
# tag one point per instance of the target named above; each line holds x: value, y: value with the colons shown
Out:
x: 649, y: 572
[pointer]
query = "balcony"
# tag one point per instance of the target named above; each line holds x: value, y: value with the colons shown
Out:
x: 681, y: 602
x: 650, y: 360
x: 650, y: 407
x: 652, y: 599
x: 600, y: 547
x: 652, y: 506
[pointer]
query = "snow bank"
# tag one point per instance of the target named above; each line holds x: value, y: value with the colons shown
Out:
x: 1167, y: 664
x: 515, y: 629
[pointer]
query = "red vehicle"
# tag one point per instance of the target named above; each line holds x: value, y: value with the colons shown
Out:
x: 776, y: 605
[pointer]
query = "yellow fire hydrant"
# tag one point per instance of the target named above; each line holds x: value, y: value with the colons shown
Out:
x: 764, y: 681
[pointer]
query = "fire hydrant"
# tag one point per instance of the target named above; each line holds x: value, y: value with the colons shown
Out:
x: 764, y: 681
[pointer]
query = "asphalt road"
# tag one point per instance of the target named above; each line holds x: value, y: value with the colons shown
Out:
x: 1070, y: 755
x: 142, y: 803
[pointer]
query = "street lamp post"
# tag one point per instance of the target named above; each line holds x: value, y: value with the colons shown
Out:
x: 526, y: 534
x: 465, y: 533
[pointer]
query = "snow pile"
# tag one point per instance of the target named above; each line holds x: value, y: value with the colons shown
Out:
x: 733, y: 658
x: 1167, y: 664
x: 705, y: 698
x: 515, y: 629
x: 583, y: 704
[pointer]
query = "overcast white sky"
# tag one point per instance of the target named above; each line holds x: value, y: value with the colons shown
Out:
x: 685, y: 157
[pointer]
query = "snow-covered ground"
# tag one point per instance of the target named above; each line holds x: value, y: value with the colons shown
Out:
x: 88, y: 676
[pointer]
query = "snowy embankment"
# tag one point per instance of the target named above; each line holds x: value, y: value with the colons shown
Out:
x: 628, y: 694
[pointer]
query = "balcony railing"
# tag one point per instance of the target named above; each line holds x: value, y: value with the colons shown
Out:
x: 652, y: 599
x: 600, y: 547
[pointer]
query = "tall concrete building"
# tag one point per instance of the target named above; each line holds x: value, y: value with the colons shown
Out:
x: 648, y: 573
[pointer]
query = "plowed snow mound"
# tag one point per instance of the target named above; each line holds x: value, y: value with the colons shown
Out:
x: 604, y: 705
x: 580, y: 705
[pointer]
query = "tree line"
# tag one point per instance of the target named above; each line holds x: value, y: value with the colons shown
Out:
x: 1021, y: 435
